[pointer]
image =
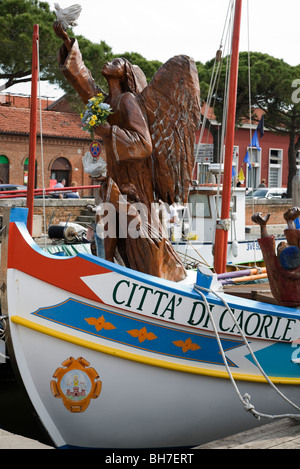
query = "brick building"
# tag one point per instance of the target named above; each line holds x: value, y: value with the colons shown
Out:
x: 270, y: 162
x: 64, y: 142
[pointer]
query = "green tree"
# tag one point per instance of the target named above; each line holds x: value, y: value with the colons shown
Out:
x: 149, y: 67
x: 17, y: 18
x: 280, y: 100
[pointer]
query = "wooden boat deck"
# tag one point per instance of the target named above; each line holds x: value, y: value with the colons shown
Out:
x: 253, y: 291
x: 279, y: 434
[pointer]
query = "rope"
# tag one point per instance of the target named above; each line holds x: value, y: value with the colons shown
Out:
x: 250, y: 116
x: 188, y: 242
x: 246, y: 398
x: 225, y: 107
x: 215, y: 76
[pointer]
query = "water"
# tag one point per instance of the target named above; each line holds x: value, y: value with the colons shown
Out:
x: 16, y: 413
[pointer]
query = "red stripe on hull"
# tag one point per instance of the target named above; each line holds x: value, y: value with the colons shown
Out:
x: 60, y: 272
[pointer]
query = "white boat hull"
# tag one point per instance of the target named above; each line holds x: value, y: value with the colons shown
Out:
x: 140, y: 406
x: 112, y: 358
x: 238, y: 252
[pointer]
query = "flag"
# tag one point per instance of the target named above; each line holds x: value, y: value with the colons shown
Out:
x: 241, y: 176
x: 255, y: 142
x: 260, y: 127
x: 247, y: 160
x: 233, y: 173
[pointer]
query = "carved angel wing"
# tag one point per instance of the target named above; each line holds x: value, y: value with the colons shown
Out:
x: 172, y: 105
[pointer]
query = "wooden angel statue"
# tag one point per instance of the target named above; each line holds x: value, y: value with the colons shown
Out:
x: 149, y: 145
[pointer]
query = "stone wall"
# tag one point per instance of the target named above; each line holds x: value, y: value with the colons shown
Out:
x: 56, y: 210
x: 60, y: 210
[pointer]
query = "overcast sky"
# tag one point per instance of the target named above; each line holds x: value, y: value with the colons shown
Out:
x: 159, y: 29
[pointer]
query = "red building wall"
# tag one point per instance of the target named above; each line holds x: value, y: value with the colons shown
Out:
x: 270, y: 140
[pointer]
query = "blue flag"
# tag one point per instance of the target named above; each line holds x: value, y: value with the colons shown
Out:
x: 233, y: 173
x: 247, y: 160
x: 260, y: 127
x: 255, y: 142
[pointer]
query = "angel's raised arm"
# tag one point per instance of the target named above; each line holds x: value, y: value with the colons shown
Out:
x: 74, y: 69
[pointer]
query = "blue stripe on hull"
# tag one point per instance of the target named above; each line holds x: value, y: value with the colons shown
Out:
x: 137, y: 333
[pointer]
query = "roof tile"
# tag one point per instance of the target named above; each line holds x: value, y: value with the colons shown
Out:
x: 15, y: 119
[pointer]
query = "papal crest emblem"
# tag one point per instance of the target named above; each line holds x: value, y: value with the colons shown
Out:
x: 77, y: 383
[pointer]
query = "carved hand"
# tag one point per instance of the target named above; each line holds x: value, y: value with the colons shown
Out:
x: 262, y: 221
x: 60, y: 32
x: 257, y: 218
x: 292, y: 213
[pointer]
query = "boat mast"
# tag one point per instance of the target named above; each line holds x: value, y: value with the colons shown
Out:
x: 33, y: 129
x: 221, y: 237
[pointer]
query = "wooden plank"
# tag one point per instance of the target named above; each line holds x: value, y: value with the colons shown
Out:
x: 284, y: 436
x: 280, y: 434
x: 257, y: 292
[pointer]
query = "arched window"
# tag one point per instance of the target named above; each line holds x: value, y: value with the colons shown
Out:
x: 61, y: 169
x: 4, y: 170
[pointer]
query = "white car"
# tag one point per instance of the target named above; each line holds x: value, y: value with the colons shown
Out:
x: 267, y: 193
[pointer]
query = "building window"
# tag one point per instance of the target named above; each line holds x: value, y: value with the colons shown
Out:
x: 203, y: 157
x: 61, y: 169
x: 253, y: 174
x: 200, y: 206
x: 298, y: 163
x: 235, y: 160
x: 275, y: 167
x: 4, y: 170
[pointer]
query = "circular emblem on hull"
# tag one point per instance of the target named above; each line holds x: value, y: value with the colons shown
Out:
x: 76, y: 384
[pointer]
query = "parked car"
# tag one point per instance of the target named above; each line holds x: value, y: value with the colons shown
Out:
x: 12, y: 187
x: 267, y: 193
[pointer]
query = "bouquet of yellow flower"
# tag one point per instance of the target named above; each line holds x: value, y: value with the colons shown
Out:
x: 96, y: 112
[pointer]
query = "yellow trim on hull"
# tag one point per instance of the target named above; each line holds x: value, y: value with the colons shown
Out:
x: 143, y: 359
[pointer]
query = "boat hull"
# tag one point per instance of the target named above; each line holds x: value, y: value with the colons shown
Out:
x: 112, y: 358
x: 238, y: 252
x: 139, y: 406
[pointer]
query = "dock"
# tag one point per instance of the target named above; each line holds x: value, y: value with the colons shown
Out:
x: 11, y: 441
x: 279, y: 434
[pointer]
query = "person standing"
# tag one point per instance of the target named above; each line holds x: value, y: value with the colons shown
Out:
x: 263, y: 183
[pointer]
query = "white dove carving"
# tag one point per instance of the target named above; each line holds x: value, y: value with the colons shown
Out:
x: 67, y: 16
